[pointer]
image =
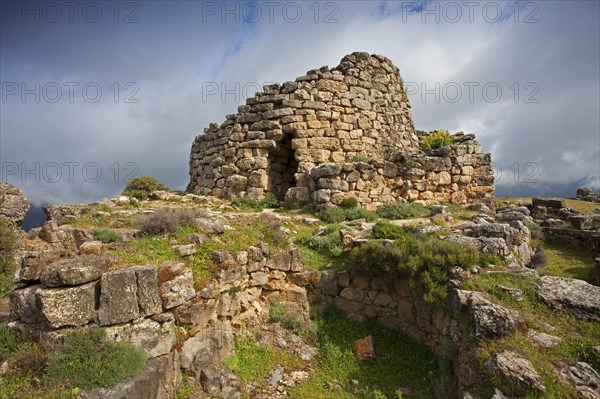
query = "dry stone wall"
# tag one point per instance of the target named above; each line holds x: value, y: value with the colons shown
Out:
x: 358, y: 108
x: 459, y: 174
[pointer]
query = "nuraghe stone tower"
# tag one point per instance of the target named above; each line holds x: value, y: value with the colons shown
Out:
x: 301, y: 139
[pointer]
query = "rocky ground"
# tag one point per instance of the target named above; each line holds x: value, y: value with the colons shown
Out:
x: 201, y: 300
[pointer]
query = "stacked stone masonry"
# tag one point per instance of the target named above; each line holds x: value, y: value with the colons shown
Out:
x: 357, y: 109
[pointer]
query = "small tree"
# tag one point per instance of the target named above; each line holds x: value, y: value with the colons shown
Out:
x: 141, y: 187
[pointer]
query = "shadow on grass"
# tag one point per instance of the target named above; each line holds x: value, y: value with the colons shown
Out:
x: 401, y: 362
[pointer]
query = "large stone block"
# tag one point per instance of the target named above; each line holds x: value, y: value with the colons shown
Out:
x: 77, y: 270
x: 155, y: 338
x: 72, y: 306
x: 118, y: 297
x: 176, y: 285
x: 24, y: 305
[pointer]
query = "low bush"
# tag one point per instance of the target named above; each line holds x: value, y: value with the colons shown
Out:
x: 165, y: 221
x: 88, y: 360
x: 349, y: 202
x: 360, y: 213
x: 338, y: 215
x: 105, y: 235
x: 245, y: 203
x: 332, y: 215
x: 141, y: 187
x: 386, y: 230
x: 401, y: 211
x: 425, y: 260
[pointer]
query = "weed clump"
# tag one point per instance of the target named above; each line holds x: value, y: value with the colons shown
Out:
x: 88, y: 360
x: 245, y: 203
x: 279, y: 314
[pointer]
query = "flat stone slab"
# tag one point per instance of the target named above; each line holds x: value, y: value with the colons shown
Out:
x: 575, y: 297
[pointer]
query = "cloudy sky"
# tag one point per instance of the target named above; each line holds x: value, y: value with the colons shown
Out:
x: 97, y: 92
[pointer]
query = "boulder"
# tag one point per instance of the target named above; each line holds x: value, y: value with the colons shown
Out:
x: 51, y: 233
x: 91, y: 248
x: 543, y: 340
x: 582, y: 377
x: 489, y: 320
x: 13, y: 204
x: 176, y: 284
x: 585, y: 222
x: 219, y: 382
x: 34, y: 262
x: 516, y: 371
x: 576, y: 297
x: 207, y: 348
x: 73, y: 306
x: 77, y: 270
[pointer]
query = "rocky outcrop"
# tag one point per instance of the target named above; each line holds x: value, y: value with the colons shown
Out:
x: 576, y: 297
x: 487, y: 319
x: 582, y: 377
x: 516, y: 371
x: 13, y: 204
x: 586, y: 194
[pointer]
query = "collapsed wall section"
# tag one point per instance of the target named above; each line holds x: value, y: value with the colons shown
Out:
x: 358, y: 108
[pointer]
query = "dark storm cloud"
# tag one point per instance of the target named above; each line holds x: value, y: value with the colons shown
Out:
x: 175, y: 67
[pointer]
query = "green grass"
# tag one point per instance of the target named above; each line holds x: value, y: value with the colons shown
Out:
x: 566, y: 261
x: 253, y: 363
x: 400, y: 362
x: 577, y: 335
x: 320, y: 252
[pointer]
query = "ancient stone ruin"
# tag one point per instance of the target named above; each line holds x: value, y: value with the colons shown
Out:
x: 336, y: 133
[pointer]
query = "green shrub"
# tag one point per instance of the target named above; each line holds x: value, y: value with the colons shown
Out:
x: 8, y: 341
x: 437, y: 139
x: 401, y: 211
x: 332, y: 215
x: 338, y: 215
x: 386, y: 230
x: 425, y: 260
x: 165, y: 221
x: 87, y: 360
x: 349, y: 202
x: 270, y: 201
x: 360, y: 213
x: 105, y: 235
x: 141, y: 187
